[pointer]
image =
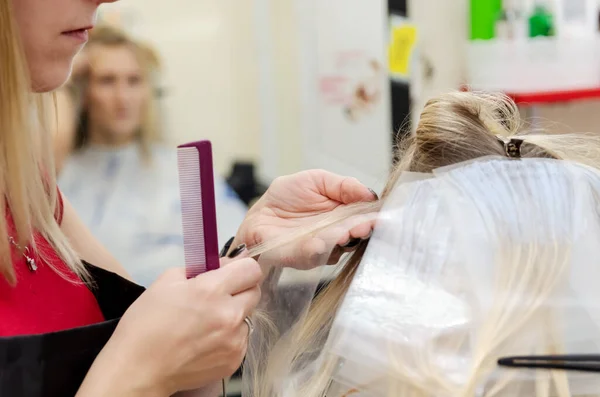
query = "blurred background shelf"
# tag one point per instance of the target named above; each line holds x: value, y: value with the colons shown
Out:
x: 560, y: 67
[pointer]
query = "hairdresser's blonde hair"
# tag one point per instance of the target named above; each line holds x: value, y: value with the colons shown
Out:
x: 453, y: 128
x: 27, y: 181
x: 149, y: 132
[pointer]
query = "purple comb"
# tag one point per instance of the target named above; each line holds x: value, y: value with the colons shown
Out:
x: 197, y: 188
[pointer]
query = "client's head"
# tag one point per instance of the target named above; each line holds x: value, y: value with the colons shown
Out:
x: 476, y: 259
x: 118, y: 106
x: 463, y: 126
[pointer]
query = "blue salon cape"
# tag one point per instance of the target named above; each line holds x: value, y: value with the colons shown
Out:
x: 133, y: 207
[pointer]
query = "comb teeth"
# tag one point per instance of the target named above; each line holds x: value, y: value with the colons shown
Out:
x: 190, y: 188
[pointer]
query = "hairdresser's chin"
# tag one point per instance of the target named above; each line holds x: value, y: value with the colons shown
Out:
x: 50, y: 69
x: 55, y: 73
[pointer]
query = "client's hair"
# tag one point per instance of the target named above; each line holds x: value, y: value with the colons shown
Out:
x: 453, y: 128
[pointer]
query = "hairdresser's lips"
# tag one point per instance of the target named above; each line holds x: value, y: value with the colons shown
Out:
x: 79, y: 35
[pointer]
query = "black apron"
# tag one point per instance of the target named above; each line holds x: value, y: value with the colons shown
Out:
x: 55, y: 364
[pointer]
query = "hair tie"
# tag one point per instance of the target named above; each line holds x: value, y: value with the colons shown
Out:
x: 512, y: 146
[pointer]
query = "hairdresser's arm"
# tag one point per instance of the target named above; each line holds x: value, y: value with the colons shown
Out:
x: 86, y: 245
x: 107, y: 378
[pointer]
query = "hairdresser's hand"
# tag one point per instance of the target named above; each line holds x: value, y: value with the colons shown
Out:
x: 180, y: 334
x: 299, y: 200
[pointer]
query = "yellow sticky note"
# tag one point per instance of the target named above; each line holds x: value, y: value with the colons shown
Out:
x: 401, y: 47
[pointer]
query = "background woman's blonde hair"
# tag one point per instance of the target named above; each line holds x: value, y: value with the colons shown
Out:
x: 149, y: 132
x: 453, y: 128
x: 27, y: 181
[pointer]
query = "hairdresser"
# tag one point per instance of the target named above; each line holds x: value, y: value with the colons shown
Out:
x: 72, y: 328
x: 121, y: 179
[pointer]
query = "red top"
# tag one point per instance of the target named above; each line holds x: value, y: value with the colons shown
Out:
x: 44, y: 301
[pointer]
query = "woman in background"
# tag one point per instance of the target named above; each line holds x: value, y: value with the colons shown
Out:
x: 121, y: 179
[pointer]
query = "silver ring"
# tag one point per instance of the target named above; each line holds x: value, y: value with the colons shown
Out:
x: 248, y: 321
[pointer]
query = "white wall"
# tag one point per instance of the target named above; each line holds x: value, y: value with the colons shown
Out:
x: 297, y: 46
x: 339, y: 40
x: 278, y: 35
x: 442, y: 34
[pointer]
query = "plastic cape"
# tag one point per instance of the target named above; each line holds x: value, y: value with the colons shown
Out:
x: 474, y: 262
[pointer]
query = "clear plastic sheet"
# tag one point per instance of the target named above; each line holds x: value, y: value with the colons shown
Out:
x: 478, y: 261
x: 489, y: 259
